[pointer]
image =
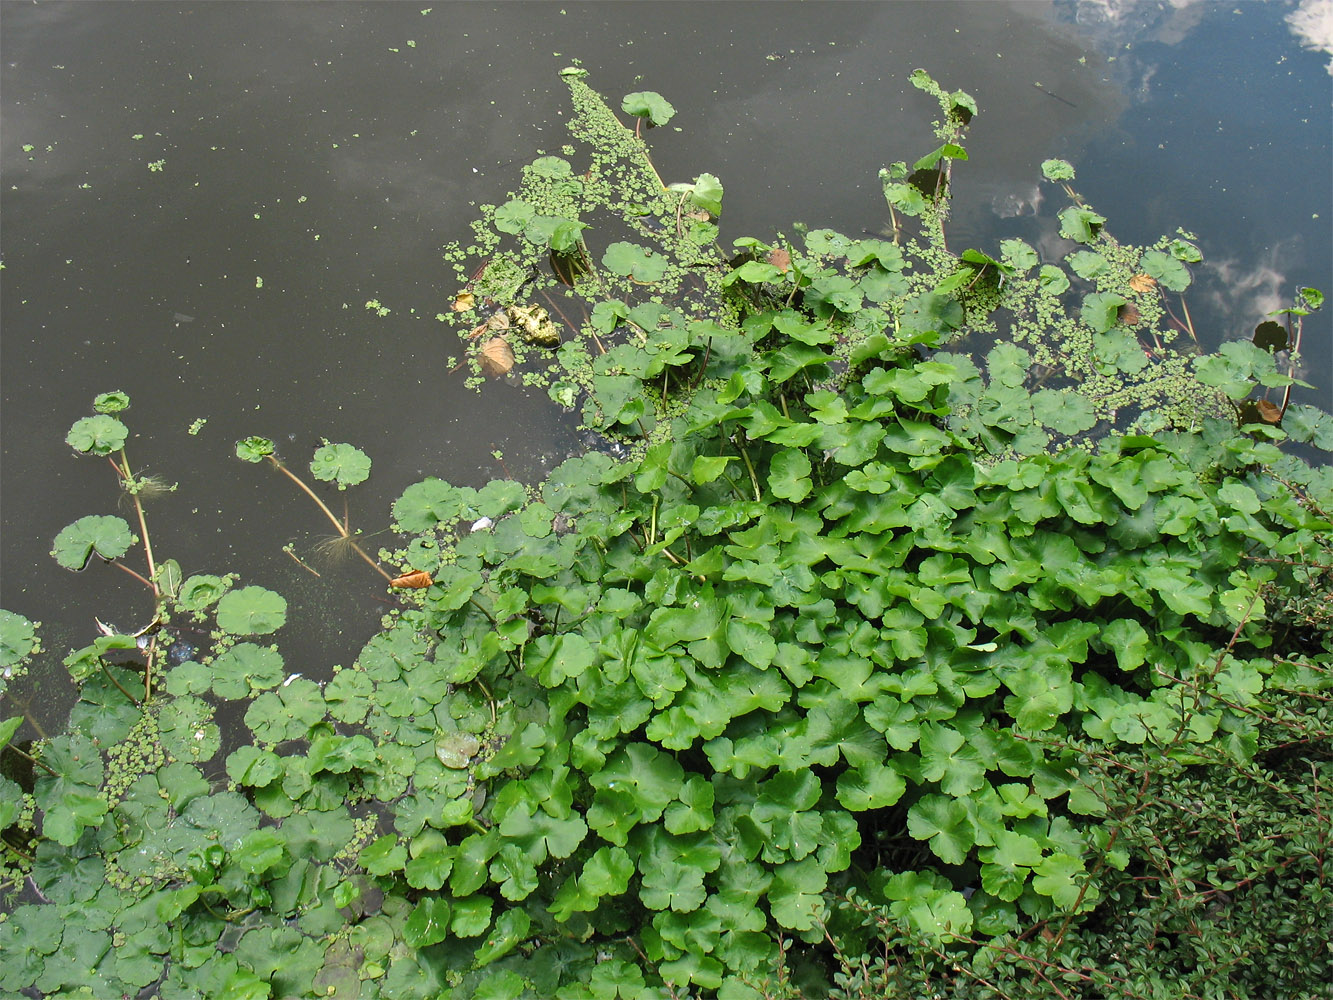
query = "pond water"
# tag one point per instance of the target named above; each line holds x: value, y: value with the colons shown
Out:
x: 200, y: 199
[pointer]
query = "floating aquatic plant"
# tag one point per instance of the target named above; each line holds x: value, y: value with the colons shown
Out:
x: 846, y: 642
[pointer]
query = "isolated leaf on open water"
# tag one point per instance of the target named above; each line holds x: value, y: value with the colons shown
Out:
x: 99, y: 435
x: 648, y: 104
x: 341, y: 464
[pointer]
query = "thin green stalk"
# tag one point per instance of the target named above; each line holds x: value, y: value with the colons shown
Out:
x: 137, y: 575
x: 749, y: 467
x: 21, y: 853
x: 489, y: 617
x: 143, y: 525
x: 35, y: 760
x: 341, y: 528
x: 148, y: 670
x: 133, y: 700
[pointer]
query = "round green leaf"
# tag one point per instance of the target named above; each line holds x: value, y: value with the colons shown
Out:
x: 108, y: 536
x: 99, y: 435
x: 18, y: 638
x: 1167, y: 269
x: 254, y: 449
x: 648, y: 104
x: 456, y: 749
x: 553, y: 658
x: 246, y: 669
x: 1057, y: 170
x: 201, y: 590
x: 428, y: 924
x: 111, y: 402
x: 632, y: 261
x: 251, y: 611
x: 789, y: 475
x: 341, y: 464
x: 1100, y: 310
x: 471, y: 916
x: 425, y: 504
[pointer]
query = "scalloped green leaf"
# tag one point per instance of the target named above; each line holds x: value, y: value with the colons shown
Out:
x: 99, y: 435
x: 254, y: 449
x: 648, y: 104
x: 341, y: 464
x: 109, y: 537
x: 251, y: 611
x: 633, y: 261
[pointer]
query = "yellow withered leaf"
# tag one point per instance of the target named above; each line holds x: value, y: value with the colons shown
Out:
x: 1142, y: 283
x: 464, y: 301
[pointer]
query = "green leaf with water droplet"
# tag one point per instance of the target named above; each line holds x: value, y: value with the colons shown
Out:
x: 340, y: 463
x: 99, y: 435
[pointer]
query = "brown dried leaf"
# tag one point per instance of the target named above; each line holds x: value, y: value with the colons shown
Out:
x: 416, y: 579
x: 497, y: 357
x: 1142, y: 283
x: 1269, y: 413
x: 1129, y: 314
x: 464, y: 301
x: 779, y: 258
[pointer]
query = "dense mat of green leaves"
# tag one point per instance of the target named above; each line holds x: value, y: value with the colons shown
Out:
x: 858, y: 617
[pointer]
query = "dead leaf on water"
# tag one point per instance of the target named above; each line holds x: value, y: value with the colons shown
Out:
x: 1142, y: 283
x: 1269, y: 413
x: 780, y: 259
x: 497, y: 357
x: 464, y: 301
x: 416, y: 580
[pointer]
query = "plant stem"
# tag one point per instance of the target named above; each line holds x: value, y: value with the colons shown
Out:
x: 749, y: 467
x: 342, y: 530
x: 148, y: 669
x: 36, y: 760
x: 139, y: 576
x: 133, y: 700
x: 22, y: 854
x: 1291, y: 365
x: 143, y: 526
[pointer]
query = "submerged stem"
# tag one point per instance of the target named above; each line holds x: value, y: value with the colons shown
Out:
x: 338, y: 525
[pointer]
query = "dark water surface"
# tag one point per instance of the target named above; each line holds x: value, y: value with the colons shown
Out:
x: 317, y: 156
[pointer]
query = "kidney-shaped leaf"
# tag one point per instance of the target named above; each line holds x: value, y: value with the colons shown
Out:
x: 251, y: 611
x: 109, y: 537
x: 99, y: 435
x: 648, y: 104
x: 340, y: 463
